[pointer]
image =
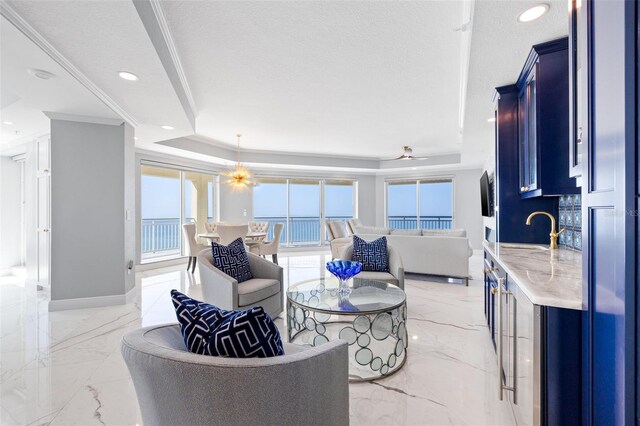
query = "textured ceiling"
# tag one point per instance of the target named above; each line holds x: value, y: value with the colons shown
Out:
x: 24, y: 97
x: 102, y: 38
x: 353, y: 78
x: 499, y: 47
x: 314, y: 77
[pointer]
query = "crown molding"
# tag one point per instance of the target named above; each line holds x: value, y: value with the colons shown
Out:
x: 175, y: 58
x: 83, y: 118
x: 23, y: 26
x: 155, y: 24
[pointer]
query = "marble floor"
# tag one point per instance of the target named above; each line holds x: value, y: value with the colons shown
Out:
x: 65, y: 368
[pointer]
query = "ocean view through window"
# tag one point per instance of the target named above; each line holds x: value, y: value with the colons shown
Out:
x: 168, y: 198
x: 303, y: 206
x: 420, y: 204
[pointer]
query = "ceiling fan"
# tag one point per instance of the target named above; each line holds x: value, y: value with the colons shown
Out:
x: 407, y: 155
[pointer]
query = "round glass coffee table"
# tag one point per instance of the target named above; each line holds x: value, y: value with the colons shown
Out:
x: 372, y: 319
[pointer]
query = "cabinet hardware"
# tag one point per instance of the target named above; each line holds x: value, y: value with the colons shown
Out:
x: 501, y: 289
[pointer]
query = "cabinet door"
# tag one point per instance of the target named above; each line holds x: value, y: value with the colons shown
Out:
x: 527, y: 135
x: 578, y: 68
x: 525, y: 398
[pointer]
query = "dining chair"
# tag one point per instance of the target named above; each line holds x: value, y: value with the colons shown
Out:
x: 270, y: 247
x: 228, y: 233
x: 259, y: 226
x: 211, y: 227
x: 192, y: 246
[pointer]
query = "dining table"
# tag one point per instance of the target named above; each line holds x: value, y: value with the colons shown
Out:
x: 252, y: 237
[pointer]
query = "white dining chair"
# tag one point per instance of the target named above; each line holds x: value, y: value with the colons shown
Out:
x: 192, y: 247
x: 228, y: 233
x: 271, y: 247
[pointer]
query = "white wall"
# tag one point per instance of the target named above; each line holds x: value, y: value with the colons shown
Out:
x: 91, y: 190
x: 467, y: 212
x: 10, y: 213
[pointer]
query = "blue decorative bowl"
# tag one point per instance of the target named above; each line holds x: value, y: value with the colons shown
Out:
x: 344, y: 269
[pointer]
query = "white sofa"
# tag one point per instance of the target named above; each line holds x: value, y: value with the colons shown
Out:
x: 444, y: 252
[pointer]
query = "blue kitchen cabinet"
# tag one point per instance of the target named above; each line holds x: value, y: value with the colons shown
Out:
x: 543, y: 122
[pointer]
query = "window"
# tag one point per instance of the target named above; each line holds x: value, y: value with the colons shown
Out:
x: 168, y: 198
x: 424, y: 204
x: 303, y: 205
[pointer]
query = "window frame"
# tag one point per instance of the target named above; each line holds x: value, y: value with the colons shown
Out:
x: 182, y: 170
x: 417, y: 182
x: 321, y: 214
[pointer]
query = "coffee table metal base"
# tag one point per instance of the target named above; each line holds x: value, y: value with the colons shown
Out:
x: 377, y: 340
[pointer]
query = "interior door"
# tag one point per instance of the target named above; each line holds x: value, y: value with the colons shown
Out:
x: 43, y: 203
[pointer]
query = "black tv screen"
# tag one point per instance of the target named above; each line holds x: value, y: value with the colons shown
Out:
x: 485, y: 194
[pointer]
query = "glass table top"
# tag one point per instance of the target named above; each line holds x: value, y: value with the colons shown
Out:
x: 367, y: 296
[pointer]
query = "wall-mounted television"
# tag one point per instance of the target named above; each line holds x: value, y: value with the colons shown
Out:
x: 486, y: 195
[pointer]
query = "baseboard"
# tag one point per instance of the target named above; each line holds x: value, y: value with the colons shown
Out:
x: 91, y: 302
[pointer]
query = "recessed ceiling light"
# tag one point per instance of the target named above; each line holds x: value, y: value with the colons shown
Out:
x: 8, y: 123
x: 41, y: 74
x: 127, y: 76
x: 491, y: 120
x: 167, y: 127
x: 533, y: 12
x: 135, y: 138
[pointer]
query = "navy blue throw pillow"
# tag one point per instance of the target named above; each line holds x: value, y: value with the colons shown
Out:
x: 373, y: 255
x: 209, y: 330
x: 232, y: 260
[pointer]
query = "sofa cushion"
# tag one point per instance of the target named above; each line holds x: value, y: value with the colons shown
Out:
x: 232, y: 260
x: 354, y: 223
x: 377, y: 276
x: 406, y: 232
x: 339, y: 229
x: 209, y: 330
x: 375, y: 230
x: 373, y: 256
x: 256, y: 289
x: 444, y: 233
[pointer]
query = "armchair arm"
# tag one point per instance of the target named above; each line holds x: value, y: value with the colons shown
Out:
x: 261, y: 268
x: 396, y: 267
x: 218, y: 288
x: 346, y: 253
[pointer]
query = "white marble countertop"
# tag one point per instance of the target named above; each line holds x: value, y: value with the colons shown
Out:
x: 546, y: 277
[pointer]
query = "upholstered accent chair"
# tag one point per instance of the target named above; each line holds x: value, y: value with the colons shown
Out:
x: 271, y: 247
x: 396, y: 270
x: 264, y: 289
x: 230, y: 233
x: 192, y: 246
x: 339, y: 233
x: 177, y: 387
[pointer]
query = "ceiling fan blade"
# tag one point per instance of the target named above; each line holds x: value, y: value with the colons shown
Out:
x: 402, y: 157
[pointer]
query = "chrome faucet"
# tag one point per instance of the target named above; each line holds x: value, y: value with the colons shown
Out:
x: 553, y: 235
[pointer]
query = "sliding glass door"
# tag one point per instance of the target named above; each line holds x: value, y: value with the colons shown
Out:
x: 420, y: 204
x: 170, y: 197
x: 304, y: 212
x: 270, y: 204
x: 402, y: 205
x: 303, y: 206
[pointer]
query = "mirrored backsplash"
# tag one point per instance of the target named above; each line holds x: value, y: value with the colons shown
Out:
x: 570, y: 213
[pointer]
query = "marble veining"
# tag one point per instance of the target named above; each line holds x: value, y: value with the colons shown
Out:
x: 546, y: 277
x: 65, y: 368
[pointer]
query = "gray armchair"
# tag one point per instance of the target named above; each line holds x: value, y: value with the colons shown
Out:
x: 396, y: 270
x: 176, y: 387
x: 264, y: 289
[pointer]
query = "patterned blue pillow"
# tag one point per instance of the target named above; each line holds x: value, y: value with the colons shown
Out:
x: 373, y: 255
x: 209, y: 330
x: 232, y: 260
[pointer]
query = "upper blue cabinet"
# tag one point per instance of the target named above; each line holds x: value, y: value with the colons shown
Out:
x: 543, y: 122
x: 578, y: 68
